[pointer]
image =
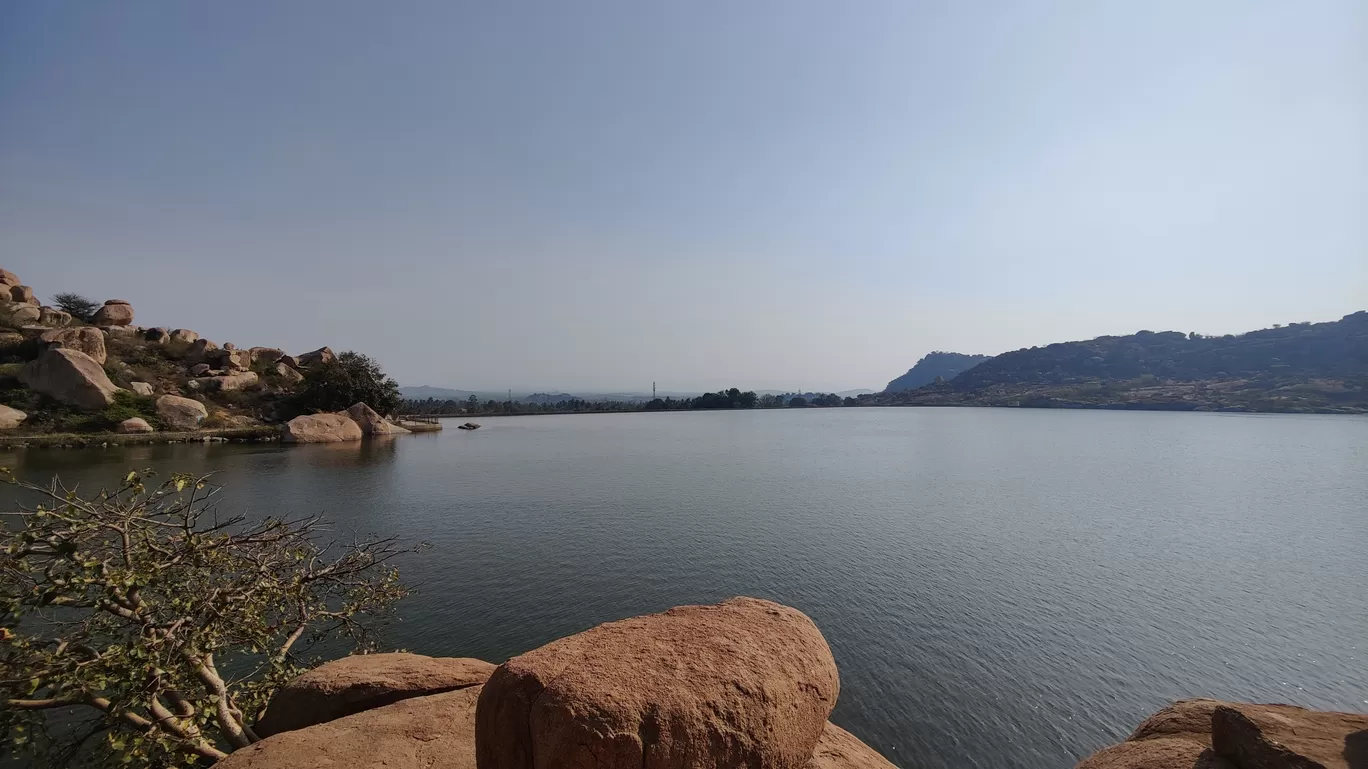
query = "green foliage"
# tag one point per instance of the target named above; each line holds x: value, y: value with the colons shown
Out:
x: 350, y: 379
x: 129, y: 607
x: 80, y: 307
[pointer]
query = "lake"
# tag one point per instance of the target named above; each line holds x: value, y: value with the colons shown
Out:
x: 1001, y: 588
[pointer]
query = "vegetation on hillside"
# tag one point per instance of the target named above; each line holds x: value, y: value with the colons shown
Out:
x: 80, y: 307
x: 933, y: 366
x: 137, y: 627
x: 733, y: 398
x: 352, y: 378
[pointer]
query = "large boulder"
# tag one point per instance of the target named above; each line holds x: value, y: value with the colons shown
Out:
x: 240, y: 380
x: 115, y: 312
x: 201, y: 350
x: 157, y: 335
x: 11, y: 418
x: 288, y: 375
x: 265, y: 354
x: 183, y: 335
x: 371, y: 422
x: 1157, y: 753
x: 20, y: 313
x: 229, y: 359
x: 365, y: 681
x: 742, y: 683
x: 317, y: 357
x: 839, y: 749
x: 181, y: 413
x: 320, y: 428
x: 84, y: 338
x: 434, y: 732
x: 134, y: 425
x: 51, y: 316
x: 23, y: 294
x: 8, y: 278
x: 69, y: 376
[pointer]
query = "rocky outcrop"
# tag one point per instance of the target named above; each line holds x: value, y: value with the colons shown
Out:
x: 20, y: 313
x: 1213, y: 734
x: 181, y: 413
x: 134, y: 425
x: 11, y: 418
x: 8, y: 278
x: 434, y: 732
x: 265, y: 354
x: 23, y: 294
x: 69, y: 376
x: 317, y: 357
x: 183, y: 336
x: 115, y: 312
x: 200, y: 349
x: 199, y: 369
x: 839, y: 749
x: 51, y: 316
x: 288, y: 375
x: 86, y: 339
x: 156, y: 335
x: 371, y: 422
x: 239, y: 380
x: 320, y: 428
x: 362, y: 682
x: 742, y: 683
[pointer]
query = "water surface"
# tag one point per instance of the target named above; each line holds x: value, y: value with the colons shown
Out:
x: 1001, y: 588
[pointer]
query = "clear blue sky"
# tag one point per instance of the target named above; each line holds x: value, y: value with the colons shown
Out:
x: 595, y: 195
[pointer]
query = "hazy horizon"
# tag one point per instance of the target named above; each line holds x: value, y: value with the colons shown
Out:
x: 774, y: 195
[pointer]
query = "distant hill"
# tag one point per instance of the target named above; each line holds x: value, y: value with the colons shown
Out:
x: 1302, y: 367
x: 422, y: 392
x: 936, y: 364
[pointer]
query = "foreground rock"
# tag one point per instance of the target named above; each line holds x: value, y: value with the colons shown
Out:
x: 362, y: 682
x: 434, y: 732
x: 69, y: 376
x: 1212, y: 734
x: 181, y: 413
x: 11, y: 418
x: 839, y: 749
x: 371, y: 422
x: 115, y: 312
x: 320, y: 428
x: 743, y: 683
x: 86, y: 339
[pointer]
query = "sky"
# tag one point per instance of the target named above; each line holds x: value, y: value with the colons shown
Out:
x: 782, y: 194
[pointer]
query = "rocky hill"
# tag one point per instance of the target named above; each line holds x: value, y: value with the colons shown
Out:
x: 1302, y: 367
x: 100, y: 373
x: 942, y: 365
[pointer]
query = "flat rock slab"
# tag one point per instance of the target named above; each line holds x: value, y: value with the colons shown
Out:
x: 362, y: 682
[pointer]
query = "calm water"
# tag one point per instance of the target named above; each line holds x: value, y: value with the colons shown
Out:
x: 1001, y: 588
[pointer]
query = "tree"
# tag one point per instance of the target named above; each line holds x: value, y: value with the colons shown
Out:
x: 350, y: 379
x: 138, y: 627
x: 797, y: 401
x: 81, y: 308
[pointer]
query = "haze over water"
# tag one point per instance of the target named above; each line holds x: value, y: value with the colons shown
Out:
x: 1001, y: 588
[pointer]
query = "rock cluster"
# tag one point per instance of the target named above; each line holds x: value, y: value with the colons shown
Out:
x: 745, y: 683
x: 349, y: 425
x: 1212, y: 734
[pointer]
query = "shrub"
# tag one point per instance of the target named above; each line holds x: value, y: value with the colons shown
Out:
x: 81, y: 308
x: 169, y: 625
x: 350, y: 379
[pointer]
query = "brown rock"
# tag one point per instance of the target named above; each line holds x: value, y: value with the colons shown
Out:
x: 228, y: 382
x: 743, y: 683
x: 8, y: 278
x: 317, y: 357
x: 183, y: 335
x: 181, y: 413
x: 1156, y: 753
x: 288, y: 375
x: 199, y: 369
x: 157, y: 335
x: 289, y: 360
x: 371, y: 422
x: 134, y: 425
x: 320, y: 428
x: 362, y: 682
x: 201, y: 349
x: 11, y: 418
x: 84, y: 338
x: 141, y: 388
x: 839, y: 749
x: 20, y: 313
x: 266, y: 354
x: 23, y: 294
x: 71, y: 377
x: 229, y: 360
x: 51, y: 316
x: 434, y: 732
x: 115, y: 312
x: 1287, y: 737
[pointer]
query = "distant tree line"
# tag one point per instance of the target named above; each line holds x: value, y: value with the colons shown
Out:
x: 733, y: 398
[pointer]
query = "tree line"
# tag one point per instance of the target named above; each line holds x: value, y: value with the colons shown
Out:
x: 733, y: 398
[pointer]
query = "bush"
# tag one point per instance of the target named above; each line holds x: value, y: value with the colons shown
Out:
x: 350, y: 379
x: 170, y: 625
x: 81, y: 308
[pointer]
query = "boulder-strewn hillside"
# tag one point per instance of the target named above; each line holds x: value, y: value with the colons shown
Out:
x: 1303, y: 367
x: 946, y: 365
x: 93, y: 371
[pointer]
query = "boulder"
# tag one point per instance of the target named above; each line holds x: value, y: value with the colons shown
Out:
x: 51, y: 316
x: 199, y: 369
x: 371, y: 422
x: 134, y: 425
x: 365, y: 681
x: 229, y: 382
x: 434, y: 732
x: 141, y: 388
x: 84, y: 338
x: 20, y: 313
x: 317, y: 357
x: 228, y: 360
x: 1157, y: 753
x: 157, y: 335
x: 115, y: 312
x: 184, y: 335
x: 123, y: 332
x: 229, y: 346
x: 265, y: 354
x: 11, y: 418
x: 289, y: 360
x: 69, y: 376
x: 201, y: 349
x: 743, y: 683
x: 320, y: 428
x: 23, y: 294
x: 8, y: 278
x: 839, y: 749
x: 1287, y: 737
x: 288, y: 375
x: 181, y: 413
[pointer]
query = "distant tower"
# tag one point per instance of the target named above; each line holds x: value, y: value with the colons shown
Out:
x: 653, y: 391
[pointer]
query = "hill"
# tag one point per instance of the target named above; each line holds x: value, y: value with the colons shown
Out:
x: 937, y: 364
x: 1302, y: 367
